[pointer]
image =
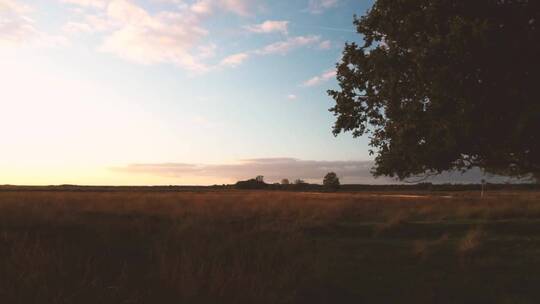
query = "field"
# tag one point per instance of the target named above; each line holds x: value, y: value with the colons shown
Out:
x: 269, y: 247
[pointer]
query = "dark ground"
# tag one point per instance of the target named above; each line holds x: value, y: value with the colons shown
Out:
x: 269, y: 247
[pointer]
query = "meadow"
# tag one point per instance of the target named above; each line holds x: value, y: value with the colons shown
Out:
x: 269, y: 247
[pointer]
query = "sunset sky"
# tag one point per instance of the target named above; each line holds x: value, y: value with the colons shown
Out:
x: 133, y: 92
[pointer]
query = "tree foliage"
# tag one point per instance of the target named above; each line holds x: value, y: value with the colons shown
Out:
x: 331, y: 181
x: 444, y: 84
x: 299, y: 182
x: 254, y: 183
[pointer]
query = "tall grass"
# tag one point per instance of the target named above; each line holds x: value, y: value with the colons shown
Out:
x: 217, y: 247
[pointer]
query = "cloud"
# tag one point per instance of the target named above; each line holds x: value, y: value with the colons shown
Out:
x: 274, y: 169
x: 239, y: 7
x: 13, y: 6
x: 77, y: 28
x: 138, y: 36
x: 173, y: 36
x: 292, y: 97
x: 317, y: 80
x: 207, y: 7
x: 319, y: 6
x: 269, y: 27
x: 99, y: 22
x: 283, y: 47
x: 207, y: 51
x: 17, y: 28
x: 203, y: 7
x: 88, y: 3
x: 234, y: 60
x: 325, y: 45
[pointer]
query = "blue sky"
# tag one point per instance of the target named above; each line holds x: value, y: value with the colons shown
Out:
x: 100, y: 84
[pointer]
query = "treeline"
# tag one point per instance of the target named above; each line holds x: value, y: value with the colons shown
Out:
x: 440, y: 187
x: 300, y: 185
x: 303, y: 186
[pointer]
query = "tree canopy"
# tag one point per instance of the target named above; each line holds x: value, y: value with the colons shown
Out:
x: 331, y: 181
x: 444, y: 84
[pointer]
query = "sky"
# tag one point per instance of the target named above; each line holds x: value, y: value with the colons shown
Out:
x: 160, y: 92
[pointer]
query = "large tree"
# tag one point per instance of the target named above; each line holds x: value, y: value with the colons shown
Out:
x: 444, y: 84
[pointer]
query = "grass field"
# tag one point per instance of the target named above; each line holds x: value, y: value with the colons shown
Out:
x: 269, y: 247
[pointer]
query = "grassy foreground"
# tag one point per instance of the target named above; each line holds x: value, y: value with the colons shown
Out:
x: 269, y: 247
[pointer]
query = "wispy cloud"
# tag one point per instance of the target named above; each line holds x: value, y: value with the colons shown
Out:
x: 319, y: 6
x: 234, y: 60
x: 283, y: 47
x: 202, y: 7
x: 13, y: 6
x: 325, y: 45
x: 207, y: 7
x: 239, y: 7
x: 319, y: 79
x: 15, y: 26
x: 269, y: 26
x: 18, y: 28
x: 173, y: 36
x: 134, y: 34
x: 163, y: 45
x: 77, y: 28
x: 276, y: 48
x: 292, y: 97
x: 88, y: 3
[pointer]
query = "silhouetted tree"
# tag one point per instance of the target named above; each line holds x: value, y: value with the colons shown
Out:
x: 299, y: 182
x: 254, y: 183
x: 444, y: 84
x: 285, y: 181
x: 331, y: 181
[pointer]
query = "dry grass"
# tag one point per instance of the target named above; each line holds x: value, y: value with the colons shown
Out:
x: 249, y: 247
x: 471, y: 242
x: 425, y: 248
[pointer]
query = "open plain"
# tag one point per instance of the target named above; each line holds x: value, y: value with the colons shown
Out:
x: 269, y: 247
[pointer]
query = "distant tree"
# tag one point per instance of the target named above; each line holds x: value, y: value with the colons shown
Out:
x: 331, y: 181
x: 254, y: 183
x: 440, y: 85
x: 299, y: 182
x: 285, y: 181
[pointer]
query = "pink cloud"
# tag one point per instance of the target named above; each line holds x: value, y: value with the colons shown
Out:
x: 269, y: 27
x: 319, y: 79
x: 17, y: 28
x: 234, y: 60
x: 319, y: 6
x: 284, y: 47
